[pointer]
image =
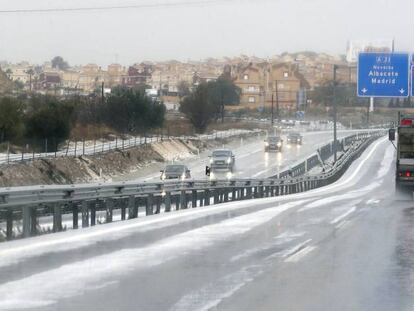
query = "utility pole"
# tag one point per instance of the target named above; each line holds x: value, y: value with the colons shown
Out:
x: 102, y: 93
x: 222, y: 107
x: 272, y: 121
x: 30, y: 78
x: 277, y: 102
x: 335, y: 67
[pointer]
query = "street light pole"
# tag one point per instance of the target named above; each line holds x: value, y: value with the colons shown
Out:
x: 335, y: 67
x: 272, y: 120
x: 277, y: 101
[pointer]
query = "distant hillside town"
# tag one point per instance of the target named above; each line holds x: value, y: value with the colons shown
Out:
x: 286, y: 76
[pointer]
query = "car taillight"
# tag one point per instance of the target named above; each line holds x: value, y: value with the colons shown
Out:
x: 406, y: 122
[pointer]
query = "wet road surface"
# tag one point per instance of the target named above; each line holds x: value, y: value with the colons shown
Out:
x: 348, y: 246
x: 251, y: 160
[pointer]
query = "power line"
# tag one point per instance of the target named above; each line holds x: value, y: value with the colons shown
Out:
x: 118, y: 7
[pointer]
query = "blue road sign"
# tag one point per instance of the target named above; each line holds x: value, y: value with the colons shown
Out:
x: 383, y: 75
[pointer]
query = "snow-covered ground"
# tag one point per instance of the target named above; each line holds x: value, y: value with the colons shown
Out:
x: 93, y: 147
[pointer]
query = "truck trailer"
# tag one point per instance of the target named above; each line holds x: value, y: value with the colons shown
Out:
x: 404, y: 173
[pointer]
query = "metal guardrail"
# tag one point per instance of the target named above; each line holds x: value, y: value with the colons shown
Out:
x: 28, y: 203
x: 94, y: 147
x: 323, y: 153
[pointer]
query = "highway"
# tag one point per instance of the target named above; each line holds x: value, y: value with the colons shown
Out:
x: 347, y: 246
x: 251, y: 160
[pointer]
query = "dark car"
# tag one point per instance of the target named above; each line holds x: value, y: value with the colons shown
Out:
x: 222, y: 159
x: 273, y: 143
x: 175, y: 171
x: 294, y: 139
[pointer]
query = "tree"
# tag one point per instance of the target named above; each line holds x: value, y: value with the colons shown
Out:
x: 11, y: 117
x: 19, y: 85
x: 8, y: 72
x: 224, y: 91
x: 183, y: 88
x: 59, y: 63
x: 131, y: 111
x: 199, y: 108
x: 31, y: 73
x: 49, y: 119
x: 345, y: 94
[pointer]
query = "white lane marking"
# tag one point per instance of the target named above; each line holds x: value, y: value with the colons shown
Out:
x: 386, y: 161
x: 289, y: 235
x: 210, y: 296
x: 344, y: 215
x: 326, y: 201
x: 260, y: 173
x: 296, y: 248
x: 342, y: 225
x: 343, y: 182
x: 285, y: 237
x: 300, y: 254
x: 373, y: 201
x: 74, y: 278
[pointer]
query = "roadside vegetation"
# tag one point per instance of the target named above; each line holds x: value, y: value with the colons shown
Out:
x: 207, y: 101
x: 43, y: 122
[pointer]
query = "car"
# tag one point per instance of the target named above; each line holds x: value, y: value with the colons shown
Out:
x: 222, y: 159
x: 175, y: 171
x: 273, y: 143
x: 294, y: 138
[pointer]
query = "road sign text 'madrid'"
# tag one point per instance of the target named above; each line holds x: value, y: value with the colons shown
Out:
x: 383, y: 75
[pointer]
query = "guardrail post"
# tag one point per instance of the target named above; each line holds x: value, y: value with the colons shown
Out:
x: 194, y: 198
x: 158, y: 204
x: 201, y: 196
x: 33, y: 221
x: 167, y: 201
x: 242, y: 192
x: 149, y: 205
x: 124, y: 204
x: 9, y: 224
x: 226, y: 195
x: 177, y: 198
x: 75, y: 216
x: 233, y: 194
x: 183, y: 199
x: 85, y: 214
x: 26, y: 213
x: 132, y: 208
x: 206, y: 197
x: 261, y: 192
x: 93, y: 211
x: 216, y: 196
x: 249, y: 192
x: 255, y: 192
x: 57, y: 217
x: 109, y: 207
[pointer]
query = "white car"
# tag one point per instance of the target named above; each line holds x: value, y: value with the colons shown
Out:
x: 222, y: 159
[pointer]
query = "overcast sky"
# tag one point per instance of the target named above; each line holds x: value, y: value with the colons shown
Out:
x: 223, y: 28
